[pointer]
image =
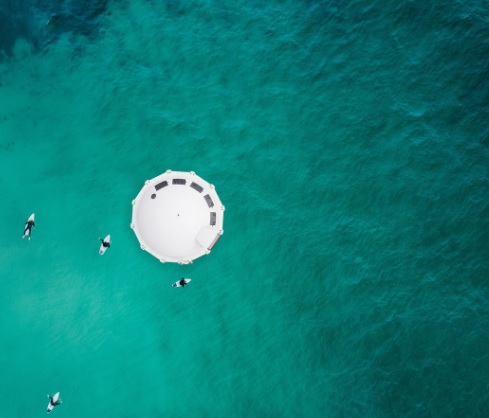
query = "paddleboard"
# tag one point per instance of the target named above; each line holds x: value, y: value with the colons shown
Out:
x: 102, y: 248
x: 50, y: 405
x: 177, y: 284
x: 27, y: 230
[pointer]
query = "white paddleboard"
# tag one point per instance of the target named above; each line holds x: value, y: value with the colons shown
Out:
x: 27, y: 231
x: 50, y: 405
x: 102, y: 248
x: 178, y: 284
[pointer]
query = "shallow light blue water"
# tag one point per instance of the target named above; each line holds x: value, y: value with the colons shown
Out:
x: 349, y: 144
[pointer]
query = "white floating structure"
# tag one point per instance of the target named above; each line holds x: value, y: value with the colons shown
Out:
x: 177, y: 217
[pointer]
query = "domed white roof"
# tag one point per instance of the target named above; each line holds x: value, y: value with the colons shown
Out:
x: 177, y: 217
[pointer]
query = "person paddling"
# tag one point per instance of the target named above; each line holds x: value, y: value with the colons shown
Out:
x: 28, y: 227
x: 106, y: 244
x: 53, y: 401
x: 182, y: 282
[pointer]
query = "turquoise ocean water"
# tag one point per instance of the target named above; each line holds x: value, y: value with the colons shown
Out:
x: 349, y: 142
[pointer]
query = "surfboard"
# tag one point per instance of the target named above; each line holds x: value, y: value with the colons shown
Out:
x: 27, y: 231
x: 177, y: 283
x: 102, y: 248
x: 50, y: 405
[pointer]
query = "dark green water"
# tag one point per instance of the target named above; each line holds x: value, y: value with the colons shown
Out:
x: 349, y: 144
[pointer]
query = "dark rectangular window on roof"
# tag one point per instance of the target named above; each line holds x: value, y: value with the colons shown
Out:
x: 209, y: 201
x: 196, y: 187
x: 179, y: 181
x: 213, y: 218
x: 161, y: 185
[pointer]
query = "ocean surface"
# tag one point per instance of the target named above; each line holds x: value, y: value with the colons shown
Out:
x: 349, y: 143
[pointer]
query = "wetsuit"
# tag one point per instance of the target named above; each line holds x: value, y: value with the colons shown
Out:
x: 105, y: 244
x: 28, y: 227
x: 53, y: 403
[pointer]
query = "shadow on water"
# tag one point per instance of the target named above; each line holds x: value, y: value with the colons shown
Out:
x: 42, y: 22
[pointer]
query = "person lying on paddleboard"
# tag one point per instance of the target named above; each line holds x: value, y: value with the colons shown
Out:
x: 28, y: 228
x: 53, y: 401
x: 182, y: 283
